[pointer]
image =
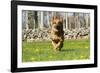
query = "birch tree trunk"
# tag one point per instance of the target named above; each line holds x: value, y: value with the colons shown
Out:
x: 26, y: 20
x: 66, y: 21
x: 87, y: 20
x: 48, y: 24
x: 41, y: 20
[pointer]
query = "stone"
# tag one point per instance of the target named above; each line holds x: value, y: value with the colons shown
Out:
x: 43, y: 34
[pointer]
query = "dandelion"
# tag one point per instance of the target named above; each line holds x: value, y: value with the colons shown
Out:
x: 86, y: 47
x: 33, y: 59
x: 81, y: 57
x: 50, y: 56
x: 37, y: 50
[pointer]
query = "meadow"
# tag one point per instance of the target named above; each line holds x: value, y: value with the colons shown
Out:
x: 43, y: 51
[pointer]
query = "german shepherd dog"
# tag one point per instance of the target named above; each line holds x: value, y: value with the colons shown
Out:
x: 57, y: 33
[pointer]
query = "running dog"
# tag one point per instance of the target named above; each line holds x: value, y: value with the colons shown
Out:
x: 57, y: 33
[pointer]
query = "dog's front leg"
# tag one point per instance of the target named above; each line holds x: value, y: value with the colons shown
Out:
x: 59, y: 45
x: 54, y: 46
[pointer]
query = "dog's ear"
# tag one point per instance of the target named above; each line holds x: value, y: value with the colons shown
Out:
x: 61, y: 20
x: 53, y: 20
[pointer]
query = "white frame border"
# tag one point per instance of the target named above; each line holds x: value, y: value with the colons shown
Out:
x: 52, y: 63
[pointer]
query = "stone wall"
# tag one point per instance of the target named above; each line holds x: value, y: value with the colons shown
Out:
x: 43, y: 35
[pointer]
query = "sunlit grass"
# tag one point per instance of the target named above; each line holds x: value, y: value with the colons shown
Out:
x: 43, y: 51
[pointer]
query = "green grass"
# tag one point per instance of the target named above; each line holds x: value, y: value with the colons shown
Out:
x: 43, y: 51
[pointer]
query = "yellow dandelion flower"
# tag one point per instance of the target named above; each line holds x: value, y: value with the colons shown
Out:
x: 37, y: 50
x: 32, y: 58
x: 86, y: 47
x: 50, y: 56
x: 81, y: 57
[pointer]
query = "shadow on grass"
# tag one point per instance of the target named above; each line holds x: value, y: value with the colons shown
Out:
x: 68, y: 50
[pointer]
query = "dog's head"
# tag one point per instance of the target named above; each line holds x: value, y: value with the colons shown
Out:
x: 57, y: 22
